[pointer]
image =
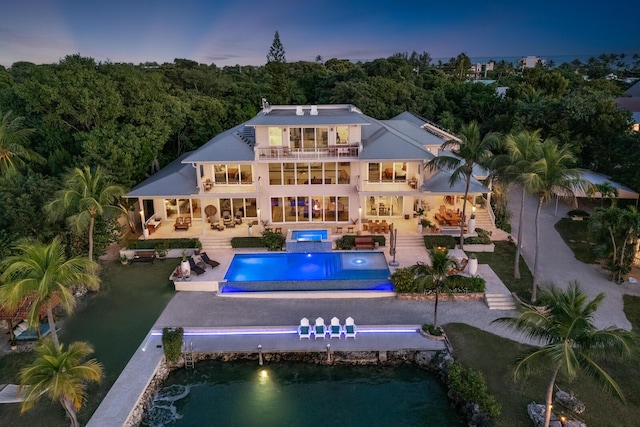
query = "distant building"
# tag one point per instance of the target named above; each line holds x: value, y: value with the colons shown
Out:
x: 479, y: 71
x: 631, y: 103
x: 531, y: 62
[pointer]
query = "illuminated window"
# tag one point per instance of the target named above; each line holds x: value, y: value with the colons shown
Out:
x: 275, y: 137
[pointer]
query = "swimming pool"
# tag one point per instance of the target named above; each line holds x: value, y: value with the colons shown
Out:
x: 293, y: 266
x: 309, y: 235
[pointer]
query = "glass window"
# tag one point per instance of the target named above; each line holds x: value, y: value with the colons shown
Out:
x: 220, y: 173
x: 251, y: 208
x: 343, y: 208
x: 275, y: 136
x: 317, y: 208
x: 302, y: 173
x: 323, y: 137
x: 171, y: 206
x: 295, y: 137
x: 342, y: 134
x: 289, y: 173
x: 238, y: 208
x: 387, y: 171
x: 275, y: 174
x: 233, y: 173
x: 374, y: 172
x: 276, y: 209
x: 245, y: 174
x: 316, y: 173
x: 291, y: 210
x: 309, y: 137
x: 344, y: 173
x: 330, y: 173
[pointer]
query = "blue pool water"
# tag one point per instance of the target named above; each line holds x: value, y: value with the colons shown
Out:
x: 309, y: 235
x: 307, y: 266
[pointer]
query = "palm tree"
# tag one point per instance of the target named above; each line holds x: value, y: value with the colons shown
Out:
x: 469, y: 152
x: 86, y: 195
x: 13, y: 135
x: 606, y: 190
x: 550, y: 175
x: 41, y: 272
x: 61, y: 375
x: 570, y: 342
x: 522, y: 150
x: 441, y: 263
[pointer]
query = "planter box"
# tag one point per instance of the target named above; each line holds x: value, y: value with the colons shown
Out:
x: 478, y: 248
x: 474, y: 296
x: 171, y: 253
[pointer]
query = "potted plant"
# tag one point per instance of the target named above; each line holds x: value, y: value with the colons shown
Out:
x: 472, y: 265
x: 161, y: 249
x: 471, y: 224
x: 420, y: 212
x: 184, y: 265
x: 425, y: 223
x: 250, y: 225
x: 124, y: 260
x: 198, y: 247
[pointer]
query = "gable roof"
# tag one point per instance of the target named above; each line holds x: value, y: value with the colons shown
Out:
x: 175, y: 179
x: 439, y: 183
x: 286, y: 115
x: 633, y: 90
x: 594, y: 178
x: 629, y: 103
x: 382, y: 141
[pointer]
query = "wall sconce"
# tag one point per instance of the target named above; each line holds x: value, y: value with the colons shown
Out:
x: 284, y: 129
x: 473, y: 209
x: 331, y: 129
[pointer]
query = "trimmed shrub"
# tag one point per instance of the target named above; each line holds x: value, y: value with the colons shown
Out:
x: 448, y: 242
x: 348, y: 241
x: 247, y: 242
x: 170, y: 243
x: 483, y: 238
x: 172, y: 343
x: 471, y: 386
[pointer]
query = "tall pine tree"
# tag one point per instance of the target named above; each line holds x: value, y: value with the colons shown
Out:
x: 276, y: 67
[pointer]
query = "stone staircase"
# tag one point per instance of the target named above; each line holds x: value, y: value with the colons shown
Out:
x: 483, y: 220
x: 499, y: 301
x: 214, y: 242
x: 409, y: 241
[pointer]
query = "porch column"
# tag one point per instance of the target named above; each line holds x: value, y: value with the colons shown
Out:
x: 203, y: 216
x: 143, y: 225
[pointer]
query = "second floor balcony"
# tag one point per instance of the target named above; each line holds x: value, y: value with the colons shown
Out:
x: 333, y: 152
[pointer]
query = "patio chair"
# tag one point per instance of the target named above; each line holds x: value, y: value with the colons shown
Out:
x: 208, y: 260
x: 304, y: 330
x: 180, y: 224
x: 350, y: 329
x: 319, y: 330
x: 195, y: 267
x: 335, y: 330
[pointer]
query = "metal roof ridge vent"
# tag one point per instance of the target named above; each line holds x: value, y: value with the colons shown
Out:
x: 314, y: 110
x: 299, y: 111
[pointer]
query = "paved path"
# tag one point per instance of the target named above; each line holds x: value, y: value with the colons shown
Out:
x: 558, y: 264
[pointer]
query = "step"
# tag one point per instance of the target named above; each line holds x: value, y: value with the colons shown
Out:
x: 500, y: 301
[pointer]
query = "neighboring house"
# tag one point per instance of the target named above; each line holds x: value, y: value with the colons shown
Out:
x: 302, y: 165
x: 631, y: 103
x: 531, y: 62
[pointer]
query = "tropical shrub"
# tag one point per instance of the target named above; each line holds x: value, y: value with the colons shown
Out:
x: 432, y: 330
x: 172, y: 343
x: 273, y: 240
x: 403, y: 281
x: 462, y: 284
x: 578, y: 212
x: 470, y: 385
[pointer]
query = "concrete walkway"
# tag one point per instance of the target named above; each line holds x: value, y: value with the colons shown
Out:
x: 560, y: 267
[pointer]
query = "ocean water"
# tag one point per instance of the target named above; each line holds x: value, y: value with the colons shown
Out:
x: 242, y: 393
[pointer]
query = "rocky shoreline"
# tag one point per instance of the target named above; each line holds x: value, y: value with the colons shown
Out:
x: 436, y: 362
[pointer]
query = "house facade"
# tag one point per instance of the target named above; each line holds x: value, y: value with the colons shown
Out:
x: 301, y: 166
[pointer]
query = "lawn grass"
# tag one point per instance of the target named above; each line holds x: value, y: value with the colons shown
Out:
x: 495, y: 357
x: 576, y: 235
x: 501, y: 261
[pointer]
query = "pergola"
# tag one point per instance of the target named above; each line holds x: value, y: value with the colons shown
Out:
x: 13, y: 317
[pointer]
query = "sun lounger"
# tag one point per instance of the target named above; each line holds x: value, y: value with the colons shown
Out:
x: 208, y: 260
x: 304, y: 330
x: 335, y: 330
x: 319, y: 330
x: 194, y: 267
x: 350, y: 329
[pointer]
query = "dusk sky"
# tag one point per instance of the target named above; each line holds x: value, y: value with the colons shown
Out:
x: 230, y: 32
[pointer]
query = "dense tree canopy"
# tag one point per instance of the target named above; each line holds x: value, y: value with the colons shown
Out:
x: 125, y: 117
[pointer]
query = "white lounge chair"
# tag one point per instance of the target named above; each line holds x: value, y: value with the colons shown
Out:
x: 335, y: 330
x: 304, y: 330
x: 319, y: 330
x: 350, y: 329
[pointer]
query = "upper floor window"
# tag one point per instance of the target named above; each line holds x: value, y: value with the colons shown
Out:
x: 308, y: 138
x: 275, y: 136
x: 342, y: 134
x: 388, y: 171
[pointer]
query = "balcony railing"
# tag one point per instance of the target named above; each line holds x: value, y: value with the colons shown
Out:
x: 336, y: 152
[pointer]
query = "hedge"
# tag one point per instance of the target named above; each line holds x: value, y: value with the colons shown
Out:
x: 172, y: 343
x: 247, y: 242
x: 348, y: 241
x: 172, y: 243
x: 448, y: 242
